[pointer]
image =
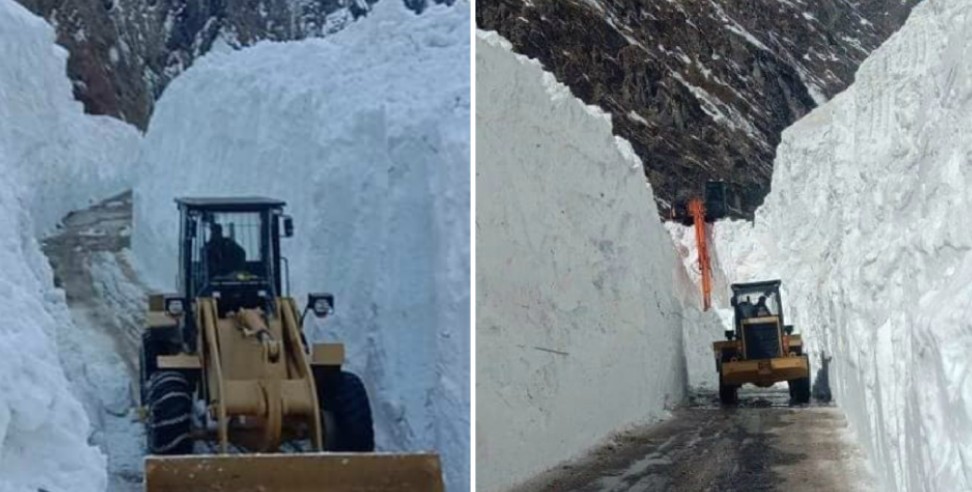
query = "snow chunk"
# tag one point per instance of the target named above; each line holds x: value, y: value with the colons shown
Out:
x: 637, y: 117
x: 714, y: 108
x: 596, y: 5
x: 736, y: 28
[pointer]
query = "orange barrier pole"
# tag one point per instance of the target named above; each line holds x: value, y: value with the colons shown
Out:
x: 697, y: 210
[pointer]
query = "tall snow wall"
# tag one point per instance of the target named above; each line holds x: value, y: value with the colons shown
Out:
x: 53, y: 158
x: 578, y: 318
x: 64, y: 159
x: 366, y: 135
x: 43, y: 427
x: 867, y: 227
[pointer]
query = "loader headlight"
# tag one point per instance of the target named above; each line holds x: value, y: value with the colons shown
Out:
x: 288, y: 226
x: 174, y: 306
x: 321, y: 304
x: 728, y: 334
x: 788, y: 329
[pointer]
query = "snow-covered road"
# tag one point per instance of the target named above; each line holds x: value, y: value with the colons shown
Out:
x: 86, y: 239
x: 89, y: 258
x: 762, y: 445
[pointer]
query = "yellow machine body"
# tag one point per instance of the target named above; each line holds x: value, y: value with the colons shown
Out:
x: 260, y: 391
x: 762, y: 372
x: 309, y: 472
x: 257, y: 374
x: 225, y: 370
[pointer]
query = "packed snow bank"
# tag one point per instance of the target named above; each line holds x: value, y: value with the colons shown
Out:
x: 53, y: 158
x: 62, y: 158
x: 43, y: 427
x: 865, y: 227
x: 366, y: 135
x: 578, y: 305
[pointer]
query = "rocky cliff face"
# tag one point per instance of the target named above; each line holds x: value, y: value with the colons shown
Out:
x: 123, y: 53
x: 701, y: 89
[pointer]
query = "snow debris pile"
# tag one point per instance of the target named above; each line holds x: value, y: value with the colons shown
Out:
x: 366, y: 135
x: 864, y: 225
x: 579, y: 293
x: 53, y: 158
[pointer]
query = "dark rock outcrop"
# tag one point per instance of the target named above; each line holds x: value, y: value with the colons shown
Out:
x: 702, y: 89
x: 123, y: 53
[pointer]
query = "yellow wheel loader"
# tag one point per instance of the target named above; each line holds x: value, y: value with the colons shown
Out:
x: 227, y: 372
x: 760, y: 349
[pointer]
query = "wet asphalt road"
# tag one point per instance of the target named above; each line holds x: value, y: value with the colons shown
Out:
x: 764, y: 444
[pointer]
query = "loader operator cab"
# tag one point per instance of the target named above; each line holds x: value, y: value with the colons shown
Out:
x: 756, y: 300
x: 223, y: 255
x: 764, y: 306
x: 758, y: 320
x: 231, y: 250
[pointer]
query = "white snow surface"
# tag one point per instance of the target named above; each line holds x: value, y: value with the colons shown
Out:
x: 700, y: 329
x: 63, y: 158
x: 579, y: 292
x: 366, y: 135
x: 865, y: 226
x: 43, y: 427
x: 53, y: 158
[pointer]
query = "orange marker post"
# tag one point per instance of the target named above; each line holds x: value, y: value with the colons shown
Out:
x: 697, y: 211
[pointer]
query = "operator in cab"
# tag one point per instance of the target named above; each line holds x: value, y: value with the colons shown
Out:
x: 761, y: 309
x: 223, y: 255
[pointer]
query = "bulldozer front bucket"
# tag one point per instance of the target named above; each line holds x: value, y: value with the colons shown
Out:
x: 308, y: 472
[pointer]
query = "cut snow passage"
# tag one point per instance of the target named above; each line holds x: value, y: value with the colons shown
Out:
x: 53, y: 158
x: 366, y: 135
x: 100, y: 352
x: 700, y: 329
x: 866, y: 227
x: 578, y: 288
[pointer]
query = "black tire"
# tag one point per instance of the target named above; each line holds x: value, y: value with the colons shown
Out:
x: 345, y: 401
x: 800, y: 390
x: 142, y: 373
x: 168, y: 428
x: 146, y: 365
x: 728, y: 393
